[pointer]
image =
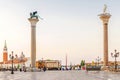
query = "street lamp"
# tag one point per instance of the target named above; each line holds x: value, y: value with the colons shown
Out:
x: 98, y: 59
x: 115, y: 55
x: 11, y: 57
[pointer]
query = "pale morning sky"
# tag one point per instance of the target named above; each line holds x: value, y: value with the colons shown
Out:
x: 69, y: 27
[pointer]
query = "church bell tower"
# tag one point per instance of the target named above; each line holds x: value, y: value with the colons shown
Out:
x: 5, y: 53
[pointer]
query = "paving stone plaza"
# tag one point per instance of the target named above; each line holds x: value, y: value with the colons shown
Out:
x: 60, y: 75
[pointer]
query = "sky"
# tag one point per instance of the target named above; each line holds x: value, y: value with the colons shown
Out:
x: 69, y: 27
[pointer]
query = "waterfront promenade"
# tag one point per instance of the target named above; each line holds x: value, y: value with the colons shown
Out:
x: 60, y: 75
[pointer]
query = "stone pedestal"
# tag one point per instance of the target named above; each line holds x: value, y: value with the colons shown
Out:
x: 33, y: 22
x: 105, y: 18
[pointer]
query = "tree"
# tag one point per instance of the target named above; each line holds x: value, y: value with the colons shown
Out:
x: 82, y: 62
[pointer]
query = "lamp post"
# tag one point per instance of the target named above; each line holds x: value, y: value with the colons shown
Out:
x: 11, y: 57
x: 98, y: 59
x: 115, y: 55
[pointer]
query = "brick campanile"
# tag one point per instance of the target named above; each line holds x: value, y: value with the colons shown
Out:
x: 105, y: 19
x: 5, y: 53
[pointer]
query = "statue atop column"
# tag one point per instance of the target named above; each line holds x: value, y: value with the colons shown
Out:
x: 34, y: 15
x: 105, y: 8
x: 105, y: 13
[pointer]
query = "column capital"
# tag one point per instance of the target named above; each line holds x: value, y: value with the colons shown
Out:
x: 105, y: 17
x: 33, y: 21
